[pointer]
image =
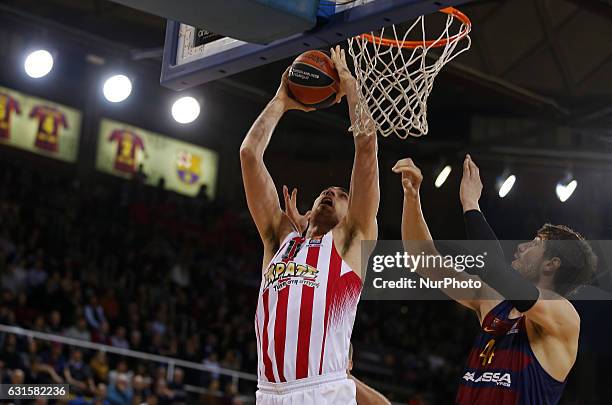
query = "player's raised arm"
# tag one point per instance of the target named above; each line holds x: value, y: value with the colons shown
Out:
x: 476, y: 226
x: 259, y: 187
x: 417, y: 238
x: 364, y: 191
x: 555, y: 315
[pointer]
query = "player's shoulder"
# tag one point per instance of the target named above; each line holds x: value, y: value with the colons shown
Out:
x: 560, y: 304
x: 554, y: 315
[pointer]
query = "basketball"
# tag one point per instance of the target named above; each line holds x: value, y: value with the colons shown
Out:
x: 313, y: 79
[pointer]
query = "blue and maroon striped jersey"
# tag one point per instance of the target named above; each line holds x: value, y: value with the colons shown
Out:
x: 502, y: 369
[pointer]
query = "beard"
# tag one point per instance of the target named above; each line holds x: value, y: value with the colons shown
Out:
x: 528, y: 270
x: 325, y: 216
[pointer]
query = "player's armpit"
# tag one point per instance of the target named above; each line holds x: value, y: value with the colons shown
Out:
x: 555, y: 315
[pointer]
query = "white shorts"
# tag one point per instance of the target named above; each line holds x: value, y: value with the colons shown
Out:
x: 328, y: 389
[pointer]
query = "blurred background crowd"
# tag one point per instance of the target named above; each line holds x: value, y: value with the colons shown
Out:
x: 139, y: 268
x: 136, y: 267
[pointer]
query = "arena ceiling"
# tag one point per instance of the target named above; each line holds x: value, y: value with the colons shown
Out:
x: 535, y: 66
x: 534, y: 57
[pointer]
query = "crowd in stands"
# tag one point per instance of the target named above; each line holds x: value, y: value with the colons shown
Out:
x: 139, y: 268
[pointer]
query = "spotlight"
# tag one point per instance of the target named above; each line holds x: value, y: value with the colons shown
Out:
x: 442, y: 176
x: 38, y: 64
x: 117, y: 88
x: 506, y: 185
x: 565, y: 188
x: 185, y: 110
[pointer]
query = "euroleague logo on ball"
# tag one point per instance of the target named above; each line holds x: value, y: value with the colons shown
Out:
x: 302, y: 74
x: 313, y: 80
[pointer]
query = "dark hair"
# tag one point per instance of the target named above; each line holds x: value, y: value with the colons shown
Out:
x: 578, y: 262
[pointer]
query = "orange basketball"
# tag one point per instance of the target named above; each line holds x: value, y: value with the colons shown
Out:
x: 313, y: 79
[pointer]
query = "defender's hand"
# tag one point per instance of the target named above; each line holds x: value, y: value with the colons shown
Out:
x: 347, y: 81
x: 471, y: 185
x: 411, y: 177
x: 288, y: 102
x: 299, y: 221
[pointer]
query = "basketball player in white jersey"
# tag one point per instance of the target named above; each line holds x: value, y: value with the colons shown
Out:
x: 311, y: 281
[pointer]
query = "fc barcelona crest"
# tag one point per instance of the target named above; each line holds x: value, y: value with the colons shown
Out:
x: 188, y: 167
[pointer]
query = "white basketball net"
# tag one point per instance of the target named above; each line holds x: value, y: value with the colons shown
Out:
x: 395, y: 82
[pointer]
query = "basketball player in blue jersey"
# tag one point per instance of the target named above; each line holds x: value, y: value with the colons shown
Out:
x: 528, y: 340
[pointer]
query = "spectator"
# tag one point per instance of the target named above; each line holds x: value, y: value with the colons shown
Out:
x: 110, y: 304
x: 208, y: 377
x: 42, y: 373
x: 37, y: 274
x: 23, y: 311
x: 102, y: 335
x: 99, y: 366
x: 118, y: 339
x: 100, y: 397
x: 78, y: 374
x: 30, y: 354
x: 94, y: 313
x: 140, y: 389
x: 9, y: 355
x: 136, y: 340
x: 17, y: 376
x: 157, y: 344
x: 142, y: 370
x: 7, y: 317
x: 15, y: 278
x: 120, y: 393
x: 55, y: 358
x: 55, y: 322
x: 178, y: 387
x: 121, y: 368
x: 78, y: 331
x: 163, y: 392
x: 39, y: 324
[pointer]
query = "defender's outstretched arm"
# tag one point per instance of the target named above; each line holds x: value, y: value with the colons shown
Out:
x: 417, y: 238
x: 555, y: 315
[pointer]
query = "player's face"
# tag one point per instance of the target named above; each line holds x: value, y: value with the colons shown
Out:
x: 332, y: 201
x: 529, y: 258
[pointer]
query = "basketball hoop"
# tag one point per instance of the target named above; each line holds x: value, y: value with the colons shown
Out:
x: 395, y: 74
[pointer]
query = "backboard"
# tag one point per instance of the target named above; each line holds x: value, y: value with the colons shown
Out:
x: 194, y: 56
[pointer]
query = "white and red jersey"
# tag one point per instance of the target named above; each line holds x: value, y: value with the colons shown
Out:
x: 306, y: 310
